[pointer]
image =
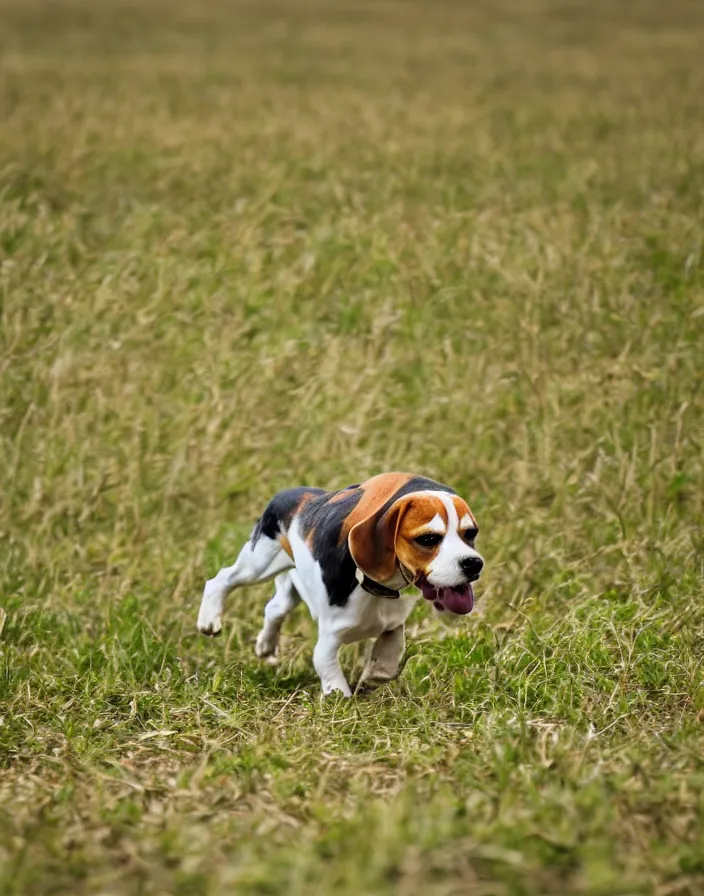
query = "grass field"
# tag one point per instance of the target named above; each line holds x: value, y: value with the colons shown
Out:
x: 256, y: 244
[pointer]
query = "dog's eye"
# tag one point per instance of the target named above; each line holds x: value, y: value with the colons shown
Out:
x: 430, y: 540
x: 470, y: 534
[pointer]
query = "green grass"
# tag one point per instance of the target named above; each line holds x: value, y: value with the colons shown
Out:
x: 250, y: 245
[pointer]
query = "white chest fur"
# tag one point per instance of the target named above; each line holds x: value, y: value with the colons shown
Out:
x: 363, y: 615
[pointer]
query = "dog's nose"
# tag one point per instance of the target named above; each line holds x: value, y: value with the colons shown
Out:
x: 471, y: 566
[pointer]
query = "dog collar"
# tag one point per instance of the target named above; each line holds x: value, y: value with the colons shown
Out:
x: 376, y: 588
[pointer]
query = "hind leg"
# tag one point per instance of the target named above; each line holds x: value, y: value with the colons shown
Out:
x: 256, y: 563
x: 284, y: 601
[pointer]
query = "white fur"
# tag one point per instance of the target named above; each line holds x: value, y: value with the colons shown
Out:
x: 256, y: 564
x: 286, y: 598
x: 363, y: 616
x: 436, y: 525
x: 444, y: 569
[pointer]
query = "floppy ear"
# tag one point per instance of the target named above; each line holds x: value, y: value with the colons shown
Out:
x: 372, y: 542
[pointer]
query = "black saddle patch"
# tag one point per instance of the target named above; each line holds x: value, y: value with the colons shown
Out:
x: 280, y: 510
x: 322, y: 522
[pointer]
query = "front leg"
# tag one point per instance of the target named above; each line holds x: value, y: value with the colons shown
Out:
x: 327, y: 664
x: 385, y: 660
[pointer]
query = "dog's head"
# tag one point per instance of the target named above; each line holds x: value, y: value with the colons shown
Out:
x: 429, y: 537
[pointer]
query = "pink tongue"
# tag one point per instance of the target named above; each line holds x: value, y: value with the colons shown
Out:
x: 458, y: 600
x: 455, y: 600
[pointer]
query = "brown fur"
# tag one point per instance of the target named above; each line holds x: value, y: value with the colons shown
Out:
x: 462, y: 508
x: 375, y: 493
x: 377, y: 541
x: 306, y: 498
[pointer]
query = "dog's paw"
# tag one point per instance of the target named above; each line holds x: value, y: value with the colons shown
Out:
x: 372, y: 682
x: 333, y: 691
x: 210, y: 626
x: 210, y: 613
x: 266, y: 648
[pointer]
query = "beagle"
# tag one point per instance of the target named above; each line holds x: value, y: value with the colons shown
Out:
x: 349, y: 554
